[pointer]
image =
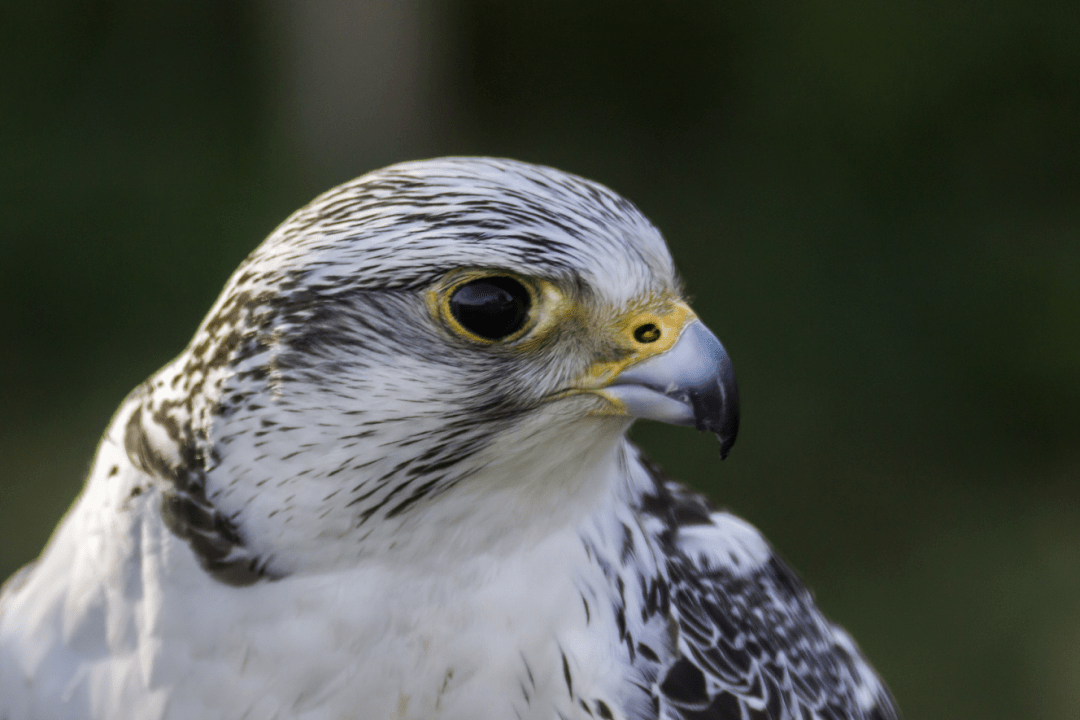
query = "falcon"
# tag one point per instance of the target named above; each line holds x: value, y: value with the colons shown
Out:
x: 389, y: 478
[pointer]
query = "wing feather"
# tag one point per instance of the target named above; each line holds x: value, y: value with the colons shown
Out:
x: 750, y: 641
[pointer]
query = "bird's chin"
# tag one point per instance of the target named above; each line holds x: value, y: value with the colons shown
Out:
x: 588, y: 411
x: 587, y: 402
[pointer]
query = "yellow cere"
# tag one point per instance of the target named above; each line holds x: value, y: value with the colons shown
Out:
x: 669, y: 318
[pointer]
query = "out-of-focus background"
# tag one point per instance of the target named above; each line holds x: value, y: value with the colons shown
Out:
x: 875, y: 205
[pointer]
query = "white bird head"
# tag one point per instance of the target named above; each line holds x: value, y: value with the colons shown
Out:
x: 430, y: 342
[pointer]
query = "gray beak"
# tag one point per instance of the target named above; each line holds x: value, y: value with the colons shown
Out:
x: 693, y: 383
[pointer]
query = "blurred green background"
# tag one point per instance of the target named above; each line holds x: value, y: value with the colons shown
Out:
x: 875, y: 205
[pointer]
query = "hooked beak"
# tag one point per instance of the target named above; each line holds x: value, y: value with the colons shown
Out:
x: 690, y: 383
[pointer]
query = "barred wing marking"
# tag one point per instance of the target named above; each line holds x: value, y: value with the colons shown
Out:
x: 751, y: 644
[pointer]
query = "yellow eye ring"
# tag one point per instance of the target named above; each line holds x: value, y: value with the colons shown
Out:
x: 486, y: 306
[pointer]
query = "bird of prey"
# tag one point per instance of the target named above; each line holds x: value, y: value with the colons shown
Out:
x: 389, y: 478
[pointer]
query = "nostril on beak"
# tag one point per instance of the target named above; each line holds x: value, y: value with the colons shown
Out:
x: 647, y: 333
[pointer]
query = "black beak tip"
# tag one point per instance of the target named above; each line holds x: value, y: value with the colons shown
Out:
x: 726, y: 443
x: 726, y: 426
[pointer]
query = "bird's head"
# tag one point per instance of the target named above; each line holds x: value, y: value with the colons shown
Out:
x: 427, y: 335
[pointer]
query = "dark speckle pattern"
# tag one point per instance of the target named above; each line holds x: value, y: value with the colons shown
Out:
x: 188, y: 513
x: 735, y: 638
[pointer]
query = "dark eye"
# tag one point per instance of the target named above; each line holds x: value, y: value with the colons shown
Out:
x: 491, y: 307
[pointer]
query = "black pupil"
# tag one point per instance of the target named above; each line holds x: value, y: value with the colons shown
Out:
x: 492, y: 307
